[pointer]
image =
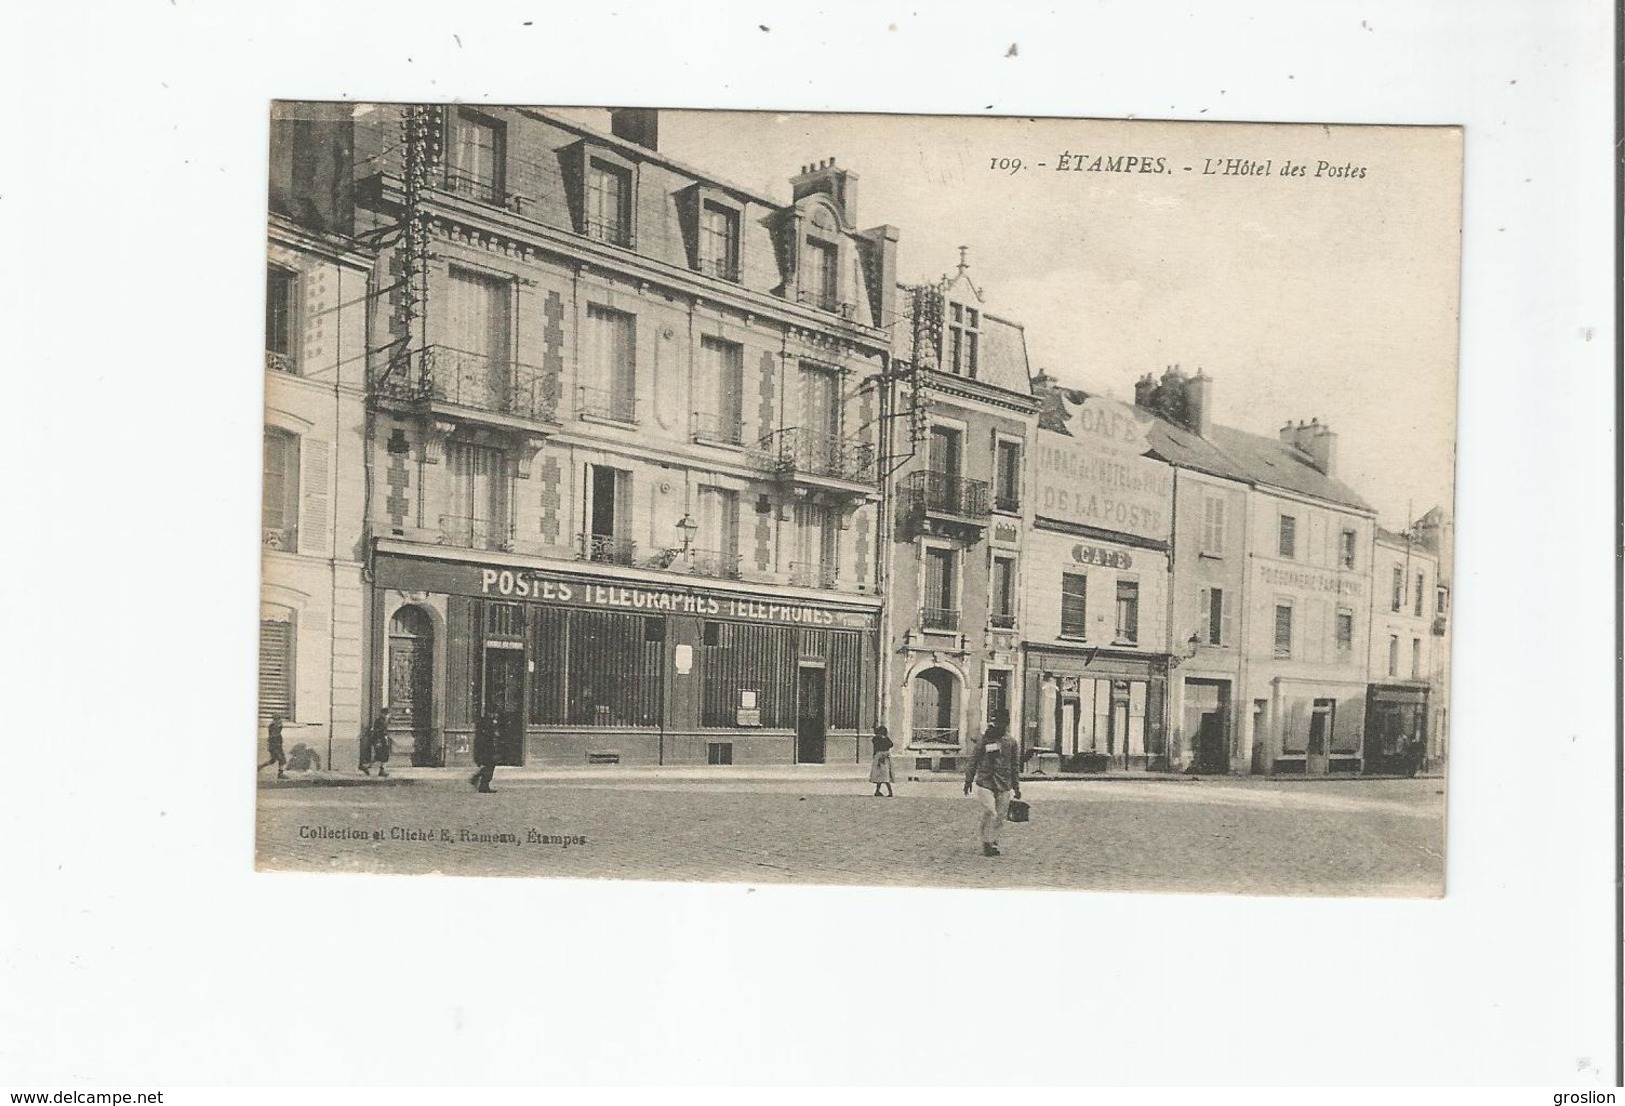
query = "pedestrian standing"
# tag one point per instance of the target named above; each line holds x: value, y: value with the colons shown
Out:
x: 273, y: 745
x: 995, y: 774
x: 485, y: 750
x: 376, y: 744
x: 880, y: 768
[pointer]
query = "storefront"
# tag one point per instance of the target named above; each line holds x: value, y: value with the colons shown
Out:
x: 1308, y: 726
x: 584, y: 668
x: 1396, y: 728
x: 1095, y: 709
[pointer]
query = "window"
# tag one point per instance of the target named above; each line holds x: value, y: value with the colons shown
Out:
x: 944, y: 458
x: 596, y: 668
x: 280, y: 287
x: 998, y: 697
x: 1441, y: 599
x: 1289, y: 536
x: 479, y: 330
x: 817, y: 545
x: 1393, y: 654
x: 941, y: 611
x: 719, y: 752
x: 479, y: 498
x: 276, y: 668
x: 609, y: 202
x: 717, y: 547
x: 1416, y: 658
x: 1213, y: 524
x: 725, y: 370
x: 474, y: 162
x: 719, y: 241
x: 1074, y: 605
x: 1128, y: 611
x: 1399, y: 588
x: 819, y: 447
x: 1283, y: 629
x: 964, y: 340
x: 1216, y: 628
x: 609, y: 499
x: 279, y: 508
x: 1345, y: 630
x: 1004, y: 592
x: 1007, y: 477
x: 822, y: 289
x: 612, y: 364
x: 1346, y: 550
x: 1421, y: 586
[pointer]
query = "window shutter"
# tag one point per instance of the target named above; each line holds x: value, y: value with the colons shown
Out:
x: 313, y: 497
x: 1205, y: 607
x: 1227, y: 618
x: 276, y: 670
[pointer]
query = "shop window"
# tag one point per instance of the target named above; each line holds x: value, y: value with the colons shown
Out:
x: 279, y: 505
x: 1213, y: 504
x: 1283, y: 629
x: 596, y: 668
x: 474, y: 157
x: 1074, y: 605
x: 1288, y: 544
x: 276, y: 668
x: 1128, y: 612
x: 719, y: 752
x: 1345, y: 631
x: 281, y: 288
x: 740, y: 657
x: 1346, y: 550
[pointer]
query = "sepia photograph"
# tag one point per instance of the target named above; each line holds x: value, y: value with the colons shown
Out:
x: 858, y: 499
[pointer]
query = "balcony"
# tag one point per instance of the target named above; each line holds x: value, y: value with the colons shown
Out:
x: 486, y: 190
x: 440, y: 376
x: 939, y: 618
x: 711, y: 429
x: 1002, y: 621
x: 945, y: 504
x: 284, y: 539
x: 723, y: 268
x: 720, y: 564
x: 614, y: 232
x: 823, y: 301
x: 796, y: 453
x: 805, y: 574
x: 606, y: 549
x: 606, y: 405
x: 280, y: 363
x: 1008, y: 503
x: 476, y: 533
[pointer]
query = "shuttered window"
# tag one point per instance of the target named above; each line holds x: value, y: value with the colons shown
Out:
x: 1289, y: 536
x: 276, y: 669
x: 1216, y: 611
x: 1393, y: 654
x: 1213, y: 524
x: 1283, y: 629
x: 1421, y: 585
x: 279, y: 509
x: 1347, y: 557
x: 1345, y: 631
x: 1398, y: 600
x: 1416, y: 658
x: 1128, y: 611
x: 612, y: 360
x: 280, y: 285
x: 1074, y: 604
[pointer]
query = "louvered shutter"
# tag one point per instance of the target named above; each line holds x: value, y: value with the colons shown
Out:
x: 276, y: 670
x: 1227, y: 618
x: 1205, y: 625
x: 313, y: 497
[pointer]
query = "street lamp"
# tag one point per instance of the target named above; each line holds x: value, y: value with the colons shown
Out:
x: 687, y: 526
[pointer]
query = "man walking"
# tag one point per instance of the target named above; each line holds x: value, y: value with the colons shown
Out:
x: 485, y: 750
x: 273, y: 745
x: 995, y: 772
x: 375, y: 744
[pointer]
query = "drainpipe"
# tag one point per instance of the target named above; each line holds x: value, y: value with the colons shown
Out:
x: 1172, y: 643
x: 883, y: 544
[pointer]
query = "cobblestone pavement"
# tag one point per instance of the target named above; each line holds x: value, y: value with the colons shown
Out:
x: 1209, y: 835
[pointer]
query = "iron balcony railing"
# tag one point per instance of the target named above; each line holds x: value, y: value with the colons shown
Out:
x: 721, y: 564
x: 724, y: 268
x: 939, y: 618
x: 805, y: 574
x: 948, y: 493
x: 607, y: 549
x: 796, y: 451
x: 1008, y: 502
x: 724, y: 428
x: 475, y: 533
x: 1002, y: 620
x: 283, y: 538
x: 487, y: 190
x: 612, y: 405
x: 614, y: 232
x: 460, y: 378
x: 824, y: 301
x: 280, y: 362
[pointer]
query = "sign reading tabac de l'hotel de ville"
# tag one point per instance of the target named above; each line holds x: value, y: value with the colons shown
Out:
x: 1097, y: 477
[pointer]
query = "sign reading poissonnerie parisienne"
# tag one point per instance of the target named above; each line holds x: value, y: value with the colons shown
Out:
x: 1096, y: 477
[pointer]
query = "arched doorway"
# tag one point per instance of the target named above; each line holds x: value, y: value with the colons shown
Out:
x: 411, y: 685
x: 936, y: 708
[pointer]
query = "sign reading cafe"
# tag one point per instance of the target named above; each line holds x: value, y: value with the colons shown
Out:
x: 1093, y: 480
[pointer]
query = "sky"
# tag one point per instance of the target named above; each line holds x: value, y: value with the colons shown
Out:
x: 1302, y: 296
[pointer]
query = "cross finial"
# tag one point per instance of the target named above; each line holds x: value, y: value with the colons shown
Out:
x: 963, y: 264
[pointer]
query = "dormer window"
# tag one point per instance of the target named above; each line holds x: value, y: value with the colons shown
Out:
x: 821, y: 287
x: 474, y: 157
x: 609, y: 202
x: 719, y: 240
x: 964, y: 340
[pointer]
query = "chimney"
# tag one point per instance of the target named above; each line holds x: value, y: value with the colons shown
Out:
x: 1289, y: 434
x: 839, y: 185
x: 1321, y: 444
x: 1143, y: 388
x: 639, y: 125
x: 1198, y: 404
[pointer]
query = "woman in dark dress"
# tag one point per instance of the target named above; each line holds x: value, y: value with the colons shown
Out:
x: 880, y: 768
